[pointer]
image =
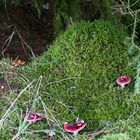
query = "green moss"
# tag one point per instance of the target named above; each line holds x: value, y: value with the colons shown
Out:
x: 79, y: 72
x: 83, y: 64
x: 5, y: 134
x: 120, y: 136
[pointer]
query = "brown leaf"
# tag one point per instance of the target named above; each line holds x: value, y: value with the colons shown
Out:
x: 18, y: 63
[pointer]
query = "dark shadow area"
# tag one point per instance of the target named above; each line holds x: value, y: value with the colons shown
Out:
x: 23, y: 33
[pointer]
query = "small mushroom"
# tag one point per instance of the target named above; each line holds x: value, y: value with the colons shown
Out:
x: 33, y: 117
x: 123, y: 80
x: 74, y: 127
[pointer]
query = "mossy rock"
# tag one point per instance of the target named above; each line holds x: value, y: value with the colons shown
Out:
x: 79, y: 72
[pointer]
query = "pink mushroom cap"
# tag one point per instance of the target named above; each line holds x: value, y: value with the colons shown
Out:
x: 123, y: 80
x: 33, y: 117
x: 74, y: 127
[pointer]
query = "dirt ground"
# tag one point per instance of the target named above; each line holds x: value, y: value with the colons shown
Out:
x: 23, y: 34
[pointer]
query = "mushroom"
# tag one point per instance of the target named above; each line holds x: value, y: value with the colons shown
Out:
x: 33, y: 117
x: 74, y: 127
x: 123, y: 80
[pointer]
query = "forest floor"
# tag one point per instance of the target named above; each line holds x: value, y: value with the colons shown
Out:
x: 23, y: 34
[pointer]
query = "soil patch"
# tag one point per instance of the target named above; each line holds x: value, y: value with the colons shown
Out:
x: 24, y: 34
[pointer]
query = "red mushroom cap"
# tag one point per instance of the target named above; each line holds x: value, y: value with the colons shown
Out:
x: 123, y: 80
x: 34, y: 117
x: 74, y: 127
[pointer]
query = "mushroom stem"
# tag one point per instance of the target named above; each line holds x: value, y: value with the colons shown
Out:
x: 75, y: 133
x: 122, y: 86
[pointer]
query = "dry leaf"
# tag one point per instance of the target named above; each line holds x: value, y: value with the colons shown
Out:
x: 18, y: 63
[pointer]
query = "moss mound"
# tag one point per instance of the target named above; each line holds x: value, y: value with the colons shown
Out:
x: 79, y: 72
